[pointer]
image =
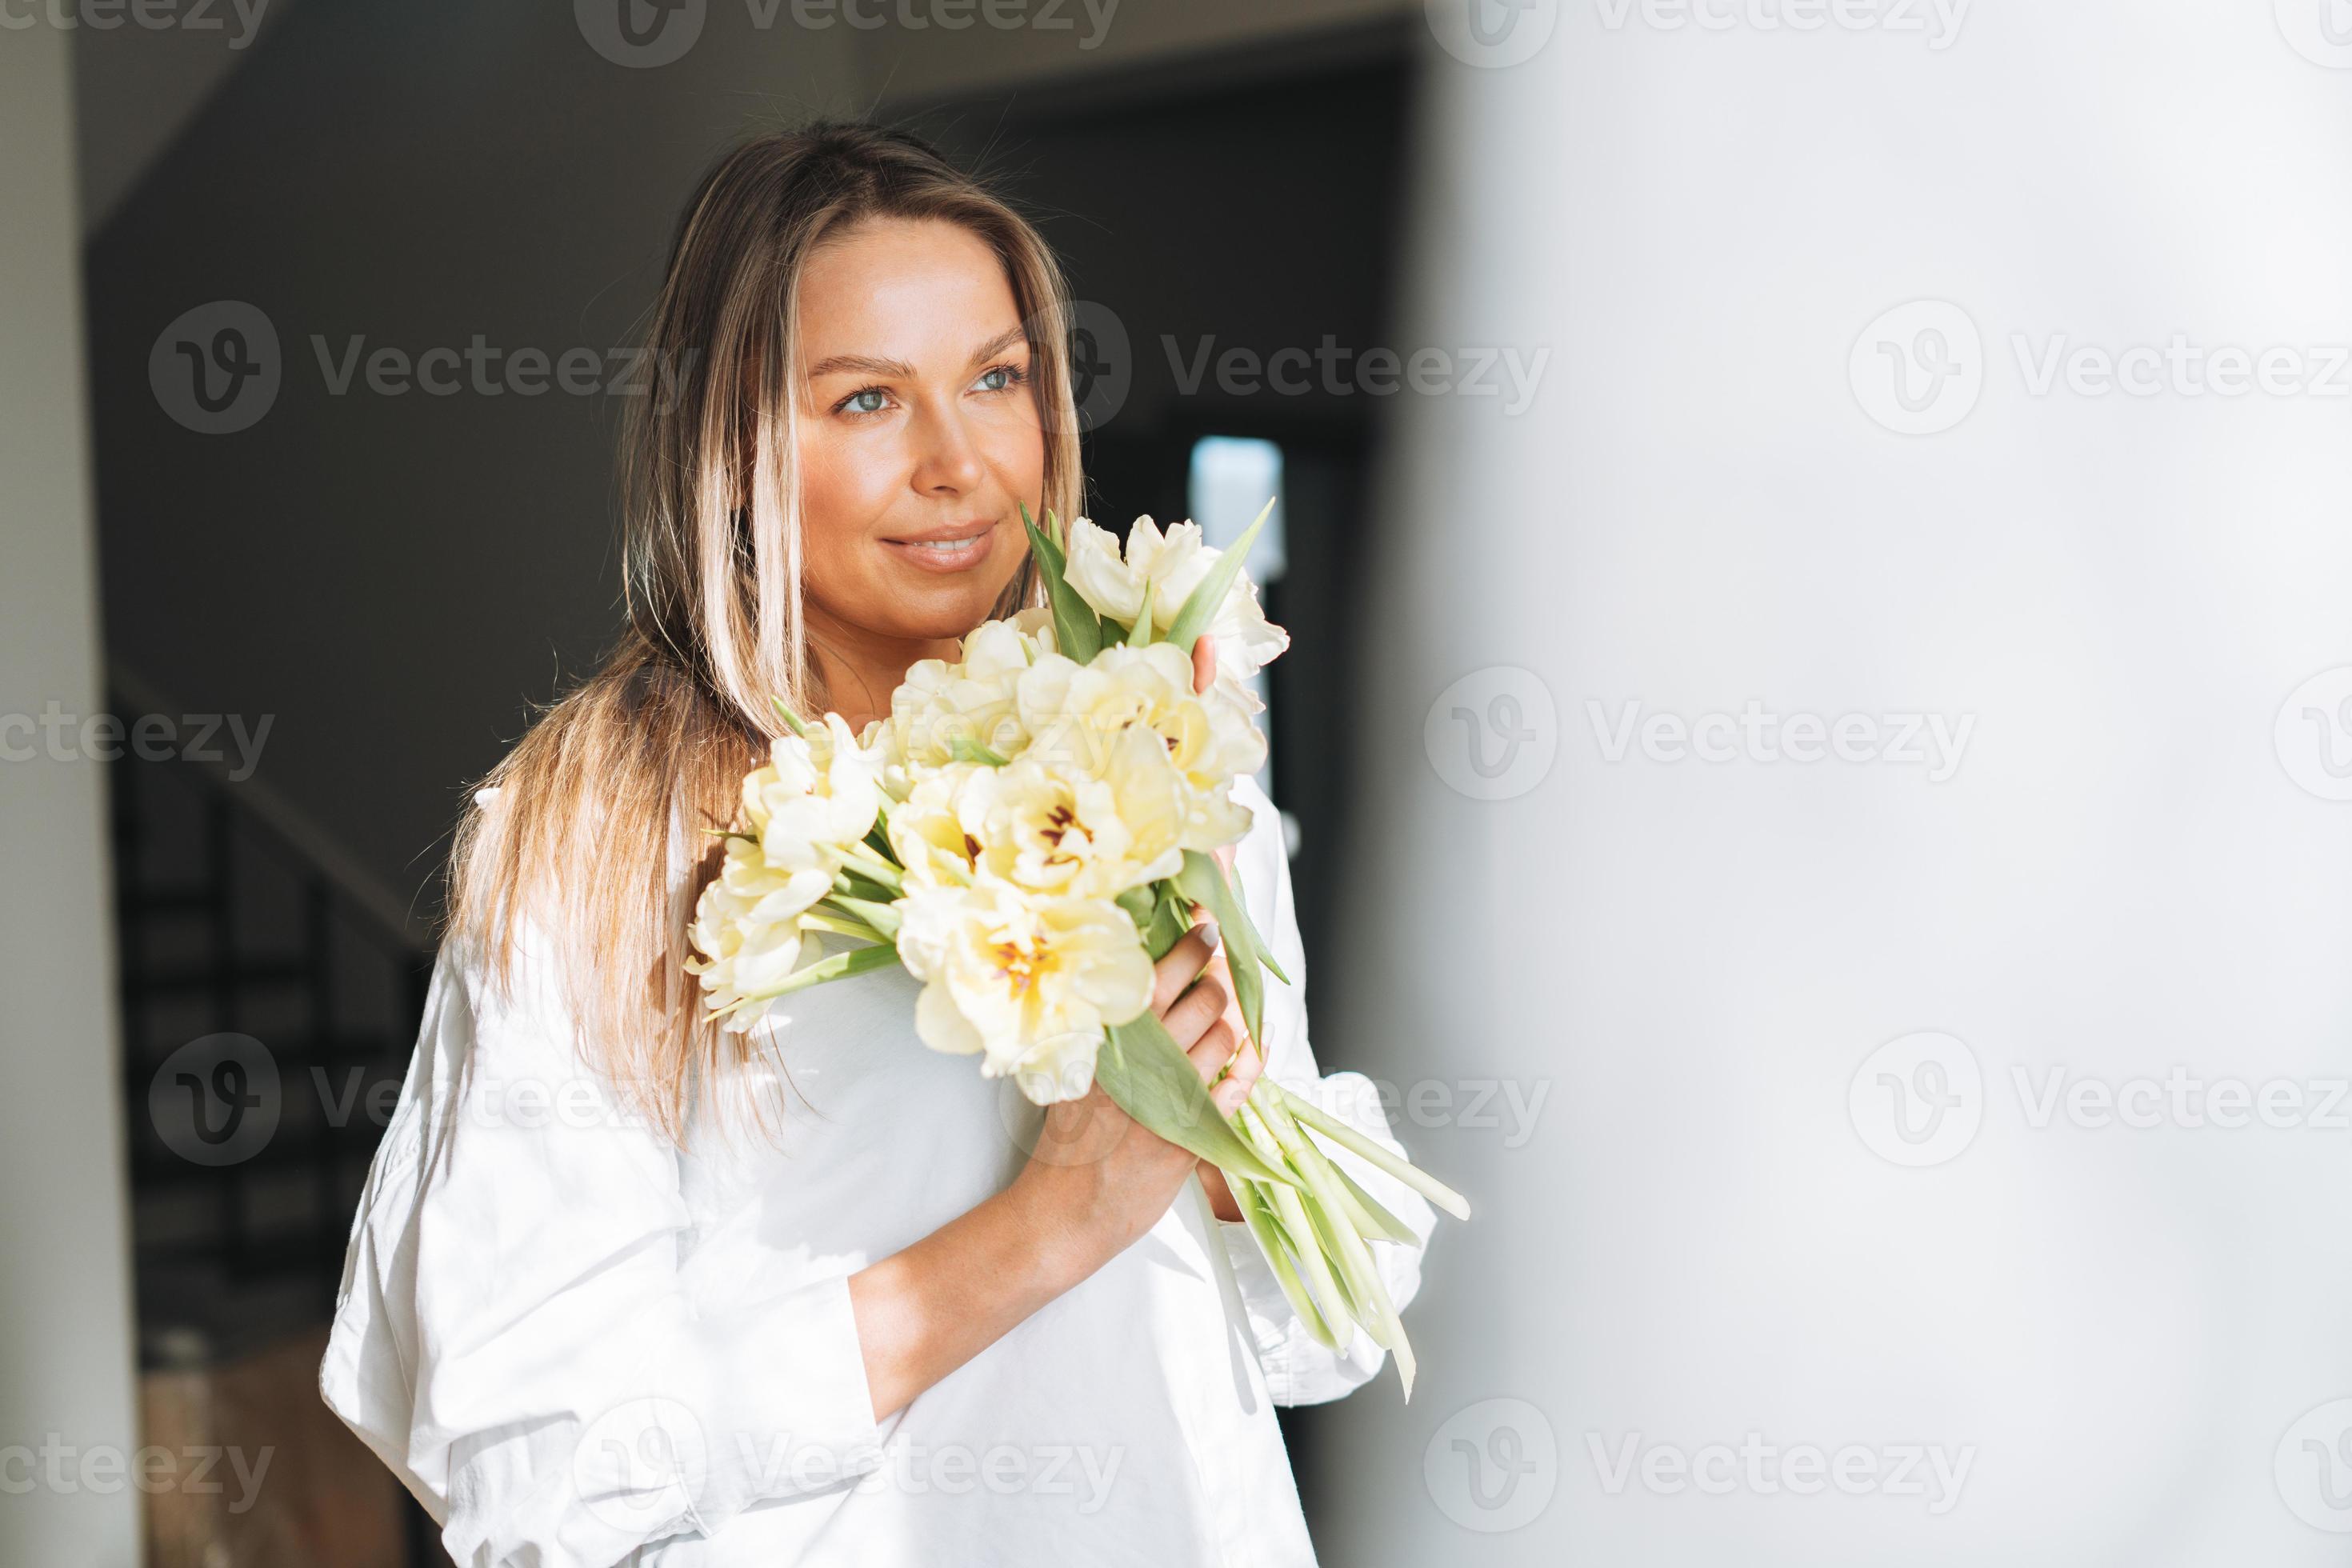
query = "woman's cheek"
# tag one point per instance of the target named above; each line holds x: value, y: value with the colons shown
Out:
x: 845, y: 483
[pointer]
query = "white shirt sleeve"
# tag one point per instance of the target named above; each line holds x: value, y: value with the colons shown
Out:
x: 1299, y: 1369
x: 514, y: 1335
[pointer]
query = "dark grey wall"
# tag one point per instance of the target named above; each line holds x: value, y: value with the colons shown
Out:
x: 392, y: 577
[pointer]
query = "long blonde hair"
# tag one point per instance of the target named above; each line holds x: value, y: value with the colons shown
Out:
x: 681, y: 709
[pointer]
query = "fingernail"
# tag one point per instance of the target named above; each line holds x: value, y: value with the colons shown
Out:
x: 1209, y: 931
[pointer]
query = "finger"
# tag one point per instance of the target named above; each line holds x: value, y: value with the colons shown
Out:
x: 1222, y: 974
x: 1205, y: 661
x: 1192, y: 1014
x: 1180, y: 965
x: 1241, y: 1077
x: 1212, y: 1050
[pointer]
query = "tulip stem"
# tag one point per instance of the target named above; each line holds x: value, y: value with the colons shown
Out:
x: 1355, y: 1141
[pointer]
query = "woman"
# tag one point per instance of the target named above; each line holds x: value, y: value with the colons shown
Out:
x: 623, y: 1287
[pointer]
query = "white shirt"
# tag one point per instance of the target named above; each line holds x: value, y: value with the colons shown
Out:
x: 578, y: 1345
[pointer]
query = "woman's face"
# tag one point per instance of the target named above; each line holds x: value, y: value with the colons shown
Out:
x: 919, y: 439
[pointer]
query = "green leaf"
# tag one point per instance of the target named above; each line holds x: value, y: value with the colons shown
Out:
x: 1171, y: 917
x: 882, y: 916
x: 1257, y: 1210
x: 839, y: 967
x: 799, y: 725
x: 968, y: 750
x: 1201, y: 605
x: 873, y: 867
x: 1386, y: 1225
x: 1257, y: 938
x: 1139, y: 633
x: 1148, y: 1074
x: 1078, y: 630
x: 1311, y: 1115
x: 1141, y: 903
x: 1203, y: 881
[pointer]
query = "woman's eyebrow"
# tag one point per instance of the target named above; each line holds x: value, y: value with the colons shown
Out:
x: 898, y: 369
x: 862, y: 365
x: 999, y: 343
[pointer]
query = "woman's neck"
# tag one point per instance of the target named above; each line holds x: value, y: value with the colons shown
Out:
x: 858, y: 669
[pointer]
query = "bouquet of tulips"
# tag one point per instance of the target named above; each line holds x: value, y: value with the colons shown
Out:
x: 1026, y: 833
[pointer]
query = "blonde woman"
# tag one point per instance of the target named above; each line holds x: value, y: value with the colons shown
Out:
x: 624, y: 1289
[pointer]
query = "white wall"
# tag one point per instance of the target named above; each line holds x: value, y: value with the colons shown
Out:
x: 2125, y: 1324
x: 66, y: 1364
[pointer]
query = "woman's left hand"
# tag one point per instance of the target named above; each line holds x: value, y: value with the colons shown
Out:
x: 1242, y: 1072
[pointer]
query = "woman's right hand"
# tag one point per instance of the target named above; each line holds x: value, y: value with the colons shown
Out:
x: 1098, y: 1180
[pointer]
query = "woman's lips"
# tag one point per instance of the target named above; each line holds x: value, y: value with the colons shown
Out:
x: 945, y: 555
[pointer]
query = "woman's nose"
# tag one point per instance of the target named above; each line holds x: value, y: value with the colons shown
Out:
x: 948, y: 460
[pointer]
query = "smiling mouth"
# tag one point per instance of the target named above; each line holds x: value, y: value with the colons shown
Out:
x: 954, y: 552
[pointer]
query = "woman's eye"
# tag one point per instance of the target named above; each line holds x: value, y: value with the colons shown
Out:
x: 1003, y: 378
x: 873, y: 400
